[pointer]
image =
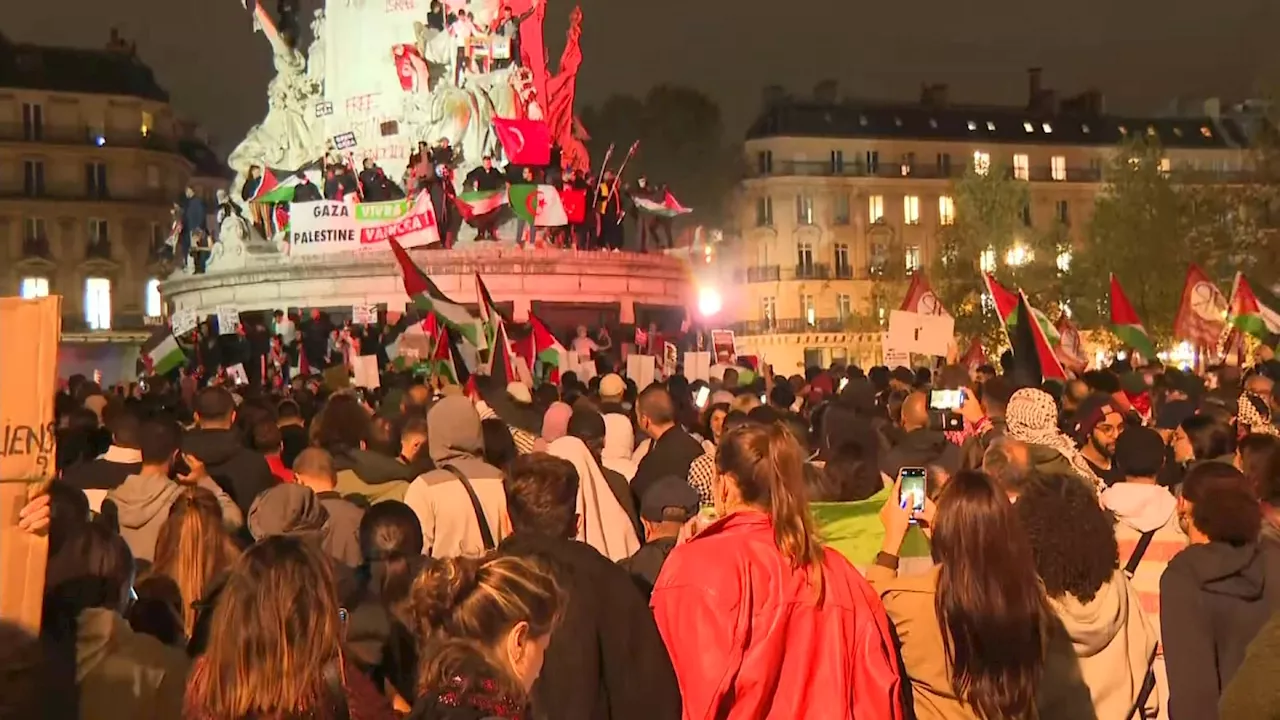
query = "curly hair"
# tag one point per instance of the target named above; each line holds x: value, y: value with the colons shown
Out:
x: 1072, y: 539
x: 1223, y: 504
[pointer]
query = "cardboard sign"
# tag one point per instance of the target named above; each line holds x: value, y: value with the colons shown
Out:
x: 893, y: 357
x: 640, y: 368
x: 344, y: 141
x: 365, y: 370
x: 924, y: 334
x: 697, y: 366
x: 228, y: 320
x: 329, y: 226
x: 182, y: 322
x: 28, y: 383
x: 722, y: 345
x: 324, y: 109
x: 364, y: 314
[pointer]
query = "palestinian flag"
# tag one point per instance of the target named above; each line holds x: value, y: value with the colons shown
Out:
x: 428, y: 298
x: 668, y: 208
x: 1006, y: 302
x: 920, y: 298
x: 412, y: 349
x: 444, y: 361
x: 279, y: 192
x: 161, y: 353
x: 477, y: 203
x: 539, y: 205
x: 546, y: 348
x: 489, y: 314
x: 975, y: 356
x: 1033, y: 356
x: 502, y: 371
x: 1126, y: 325
x: 1254, y: 311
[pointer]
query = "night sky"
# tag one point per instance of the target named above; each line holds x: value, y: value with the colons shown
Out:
x: 1141, y: 53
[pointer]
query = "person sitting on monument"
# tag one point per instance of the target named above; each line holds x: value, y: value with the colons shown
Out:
x: 507, y: 25
x: 485, y: 178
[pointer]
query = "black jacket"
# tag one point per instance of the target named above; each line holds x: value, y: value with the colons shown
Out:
x: 669, y: 455
x: 295, y: 440
x: 647, y: 563
x: 921, y: 448
x: 606, y: 661
x: 1214, y: 598
x: 239, y: 471
x: 99, y: 474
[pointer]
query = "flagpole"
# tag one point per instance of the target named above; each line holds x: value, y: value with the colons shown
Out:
x: 607, y: 154
x: 617, y: 181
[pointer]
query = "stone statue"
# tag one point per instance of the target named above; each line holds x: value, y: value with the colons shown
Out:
x: 315, y: 53
x: 230, y: 252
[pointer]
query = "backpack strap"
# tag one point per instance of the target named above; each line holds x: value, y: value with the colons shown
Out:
x: 1138, y: 551
x: 486, y: 535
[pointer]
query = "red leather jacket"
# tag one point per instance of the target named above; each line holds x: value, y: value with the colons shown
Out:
x: 748, y: 641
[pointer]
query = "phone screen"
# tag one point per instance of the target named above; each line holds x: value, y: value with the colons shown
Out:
x: 912, y: 489
x: 946, y: 399
x: 704, y: 393
x: 844, y: 382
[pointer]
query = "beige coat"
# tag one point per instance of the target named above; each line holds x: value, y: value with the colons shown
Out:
x: 910, y: 604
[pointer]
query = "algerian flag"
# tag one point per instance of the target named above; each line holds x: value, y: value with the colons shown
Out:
x: 1126, y: 325
x: 1256, y: 312
x: 161, y: 352
x: 669, y: 207
x: 428, y: 298
x: 480, y: 202
x: 282, y: 192
x: 537, y: 204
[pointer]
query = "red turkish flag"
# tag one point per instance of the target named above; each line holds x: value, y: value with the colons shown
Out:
x: 525, y: 142
x: 574, y: 201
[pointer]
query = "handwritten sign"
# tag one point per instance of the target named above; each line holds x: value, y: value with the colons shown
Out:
x: 344, y: 141
x: 324, y: 108
x: 365, y: 370
x: 697, y: 366
x: 182, y: 322
x: 237, y: 374
x: 329, y: 226
x: 893, y: 357
x: 670, y: 359
x: 364, y: 314
x: 28, y: 446
x: 228, y: 320
x: 918, y: 333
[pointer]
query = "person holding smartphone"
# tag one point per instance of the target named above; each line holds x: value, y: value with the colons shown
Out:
x: 920, y: 446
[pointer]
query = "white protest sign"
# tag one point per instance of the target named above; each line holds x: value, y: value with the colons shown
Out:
x: 924, y: 334
x: 329, y: 226
x: 893, y: 357
x: 182, y: 322
x: 228, y: 320
x: 365, y: 370
x: 238, y: 375
x: 670, y: 359
x: 697, y: 366
x: 641, y: 370
x: 364, y: 314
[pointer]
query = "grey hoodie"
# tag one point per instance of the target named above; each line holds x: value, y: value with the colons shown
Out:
x: 123, y: 674
x: 143, y: 501
x: 291, y: 509
x: 449, y: 525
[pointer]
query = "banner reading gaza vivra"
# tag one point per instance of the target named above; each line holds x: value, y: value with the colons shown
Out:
x: 330, y: 226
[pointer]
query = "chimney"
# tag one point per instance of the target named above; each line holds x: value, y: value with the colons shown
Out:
x: 1034, y: 87
x: 933, y: 95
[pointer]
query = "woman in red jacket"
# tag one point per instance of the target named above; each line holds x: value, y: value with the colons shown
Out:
x: 760, y: 620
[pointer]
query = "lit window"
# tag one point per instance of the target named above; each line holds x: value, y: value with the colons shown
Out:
x: 1164, y: 165
x: 1205, y: 131
x: 97, y: 303
x: 987, y: 260
x: 844, y: 307
x: 912, y: 255
x: 991, y: 127
x: 875, y: 209
x: 1021, y: 167
x: 1047, y: 127
x: 946, y: 210
x: 911, y: 209
x: 972, y: 126
x: 804, y: 209
x: 154, y: 303
x: 981, y: 162
x: 35, y: 287
x: 810, y: 310
x: 1029, y: 126
x: 1018, y: 255
x: 1058, y: 167
x: 148, y: 122
x: 1064, y: 261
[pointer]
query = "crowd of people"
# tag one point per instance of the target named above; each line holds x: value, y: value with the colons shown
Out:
x: 1103, y: 548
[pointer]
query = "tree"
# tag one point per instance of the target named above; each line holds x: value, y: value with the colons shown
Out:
x: 682, y: 144
x: 991, y: 233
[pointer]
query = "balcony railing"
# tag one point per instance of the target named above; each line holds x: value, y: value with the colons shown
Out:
x: 813, y: 271
x: 800, y: 271
x: 119, y: 321
x: 929, y: 171
x: 83, y: 194
x: 763, y: 273
x: 789, y: 326
x: 85, y: 136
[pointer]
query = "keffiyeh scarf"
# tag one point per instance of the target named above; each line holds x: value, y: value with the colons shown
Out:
x: 1032, y: 418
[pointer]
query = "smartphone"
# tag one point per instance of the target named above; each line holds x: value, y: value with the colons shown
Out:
x: 704, y: 394
x: 946, y: 399
x: 844, y: 382
x: 764, y: 399
x: 912, y: 488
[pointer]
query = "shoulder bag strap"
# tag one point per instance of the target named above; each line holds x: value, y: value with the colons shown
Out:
x: 1148, y: 686
x: 1138, y: 551
x: 486, y: 536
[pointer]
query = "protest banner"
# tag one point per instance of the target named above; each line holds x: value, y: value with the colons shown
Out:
x: 641, y: 369
x: 722, y: 346
x: 364, y: 314
x: 670, y: 359
x: 365, y: 371
x: 182, y: 322
x: 918, y: 333
x: 330, y: 226
x: 228, y: 320
x: 697, y: 366
x: 28, y: 383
